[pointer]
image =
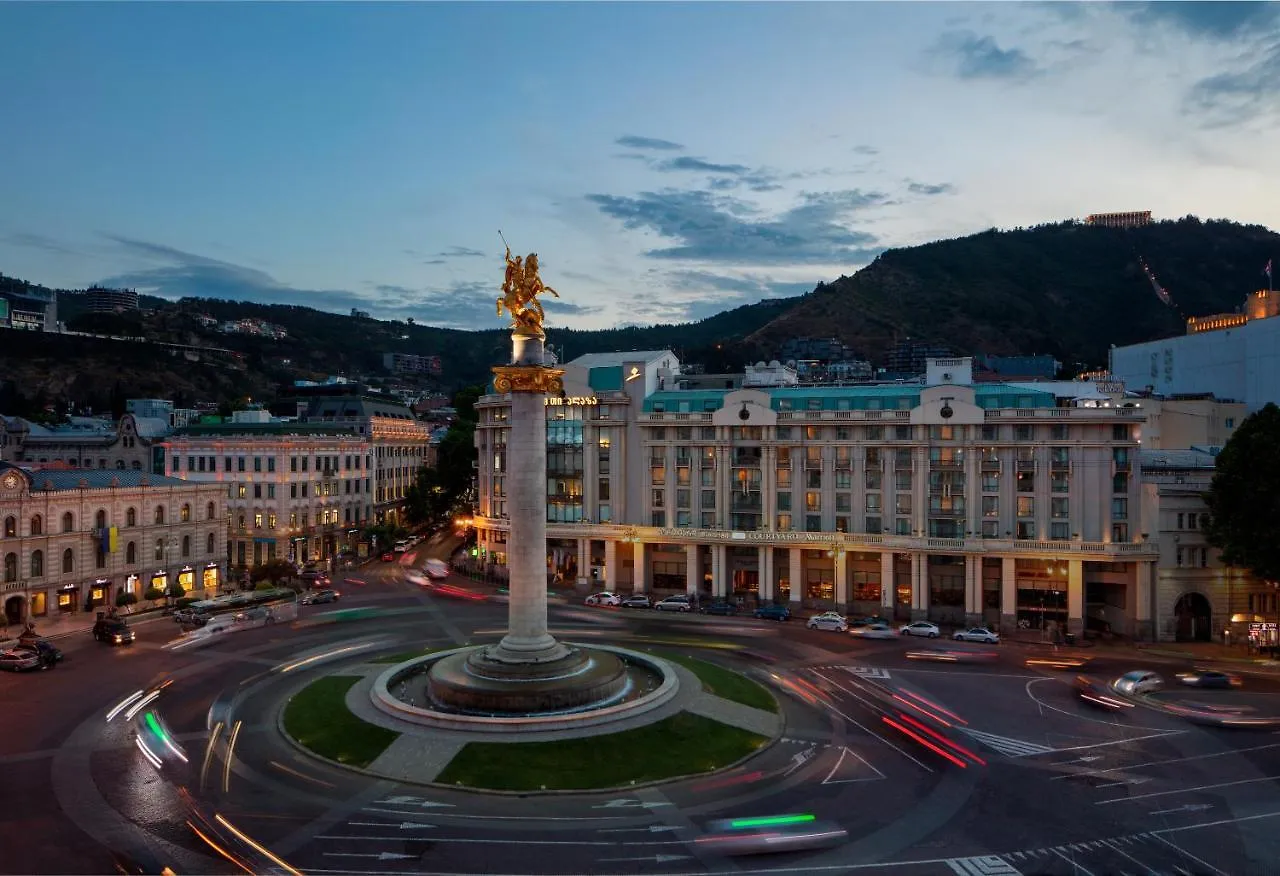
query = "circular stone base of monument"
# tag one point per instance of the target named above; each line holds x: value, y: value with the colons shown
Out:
x: 464, y: 689
x: 483, y: 683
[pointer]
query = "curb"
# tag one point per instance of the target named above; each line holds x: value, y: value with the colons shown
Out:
x: 132, y: 623
x: 494, y: 792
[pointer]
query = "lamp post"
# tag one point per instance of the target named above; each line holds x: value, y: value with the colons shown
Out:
x: 836, y: 553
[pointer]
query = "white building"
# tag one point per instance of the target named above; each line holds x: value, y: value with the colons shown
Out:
x: 72, y: 540
x: 1014, y: 506
x: 1230, y: 356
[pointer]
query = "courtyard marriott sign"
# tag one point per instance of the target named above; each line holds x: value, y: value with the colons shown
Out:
x: 734, y: 535
x: 576, y: 400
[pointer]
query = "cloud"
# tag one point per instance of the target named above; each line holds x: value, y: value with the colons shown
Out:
x: 700, y: 294
x: 1239, y: 97
x: 631, y: 141
x: 865, y: 150
x: 689, y: 163
x: 980, y: 57
x: 1212, y: 20
x: 919, y: 188
x: 455, y: 252
x: 39, y: 241
x: 179, y: 274
x: 717, y: 228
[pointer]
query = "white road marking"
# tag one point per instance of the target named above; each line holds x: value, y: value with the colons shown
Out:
x: 1190, y: 856
x: 866, y: 671
x: 845, y: 752
x: 1142, y: 780
x: 505, y: 842
x: 1115, y: 848
x: 799, y: 759
x: 1077, y: 715
x: 629, y: 803
x: 402, y: 813
x: 403, y: 800
x: 404, y: 825
x: 653, y: 828
x: 1075, y: 865
x: 1190, y: 807
x: 381, y: 856
x: 1187, y: 790
x: 657, y: 859
x: 986, y: 865
x: 1159, y: 735
x: 1170, y: 760
x: 870, y: 732
x: 1005, y: 745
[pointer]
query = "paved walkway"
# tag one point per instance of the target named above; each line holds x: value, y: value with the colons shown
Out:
x: 421, y: 753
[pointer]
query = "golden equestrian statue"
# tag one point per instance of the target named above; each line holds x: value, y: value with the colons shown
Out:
x: 520, y: 290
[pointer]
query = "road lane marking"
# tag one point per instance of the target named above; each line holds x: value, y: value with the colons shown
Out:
x: 868, y: 731
x: 1005, y: 745
x: 472, y: 840
x: 402, y: 813
x: 1075, y: 865
x: 1078, y: 715
x: 1190, y: 856
x: 1169, y: 761
x: 986, y: 865
x: 1187, y: 790
x: 1092, y: 745
x: 846, y: 752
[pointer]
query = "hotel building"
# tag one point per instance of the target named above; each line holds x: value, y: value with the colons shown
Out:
x: 1012, y: 506
x: 72, y: 540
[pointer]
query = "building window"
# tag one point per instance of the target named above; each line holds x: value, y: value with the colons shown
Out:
x: 1120, y: 432
x: 68, y: 561
x: 271, y: 463
x: 1026, y: 506
x: 159, y: 515
x: 813, y: 523
x: 991, y: 506
x: 131, y: 517
x: 11, y: 527
x: 784, y: 522
x: 37, y: 525
x: 1120, y: 482
x: 874, y: 525
x: 1119, y: 509
x: 209, y: 544
x: 37, y: 564
x: 209, y: 511
x: 257, y: 520
x: 68, y: 522
x: 100, y: 519
x: 1119, y: 532
x: 186, y: 545
x: 130, y: 554
x: 10, y: 566
x: 158, y: 552
x: 185, y: 513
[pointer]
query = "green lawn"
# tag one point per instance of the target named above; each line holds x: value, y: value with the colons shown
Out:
x: 726, y: 683
x: 680, y: 745
x: 402, y: 656
x: 318, y: 718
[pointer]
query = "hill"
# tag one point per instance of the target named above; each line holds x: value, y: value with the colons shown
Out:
x: 1066, y: 289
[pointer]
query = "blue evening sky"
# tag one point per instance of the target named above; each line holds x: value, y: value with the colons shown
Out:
x: 667, y: 161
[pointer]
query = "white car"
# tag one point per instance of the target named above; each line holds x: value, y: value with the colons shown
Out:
x: 977, y: 634
x: 828, y: 620
x: 604, y: 598
x: 675, y: 603
x: 875, y: 631
x: 1138, y: 682
x: 437, y: 570
x: 921, y: 628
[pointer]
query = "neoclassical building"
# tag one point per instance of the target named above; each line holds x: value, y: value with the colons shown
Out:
x: 1014, y: 505
x: 72, y: 539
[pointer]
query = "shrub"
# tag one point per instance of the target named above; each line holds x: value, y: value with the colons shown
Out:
x: 177, y: 591
x: 154, y: 593
x: 126, y: 599
x: 264, y: 585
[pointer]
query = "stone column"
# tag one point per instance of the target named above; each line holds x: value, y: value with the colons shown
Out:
x: 919, y: 586
x: 973, y: 590
x: 610, y: 565
x: 765, y: 564
x: 1144, y: 629
x: 841, y: 567
x: 692, y: 569
x: 1075, y: 596
x: 639, y: 569
x: 1008, y: 596
x: 528, y: 381
x: 584, y: 563
x: 888, y: 586
x: 719, y: 570
x: 796, y: 574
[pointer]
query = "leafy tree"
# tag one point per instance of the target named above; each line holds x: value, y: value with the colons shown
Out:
x: 1244, y: 497
x: 273, y: 571
x: 464, y: 402
x: 124, y: 599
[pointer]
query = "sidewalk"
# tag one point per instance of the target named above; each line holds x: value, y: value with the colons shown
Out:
x: 74, y: 624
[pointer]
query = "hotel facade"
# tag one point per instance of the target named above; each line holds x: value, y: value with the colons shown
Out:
x: 940, y: 499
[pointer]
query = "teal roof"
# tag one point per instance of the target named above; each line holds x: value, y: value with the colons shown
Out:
x: 605, y: 378
x: 91, y: 478
x: 887, y: 397
x: 205, y: 430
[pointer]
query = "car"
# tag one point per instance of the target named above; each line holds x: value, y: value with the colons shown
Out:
x: 388, y: 557
x: 875, y: 631
x: 20, y: 660
x: 1098, y: 695
x: 865, y: 622
x: 639, y: 600
x: 1209, y: 678
x: 45, y: 650
x: 1138, y: 682
x: 675, y: 603
x: 604, y: 597
x: 977, y: 634
x: 770, y: 835
x: 437, y: 570
x: 319, y: 597
x: 828, y: 620
x: 920, y: 628
x: 776, y: 611
x: 720, y: 606
x: 113, y: 631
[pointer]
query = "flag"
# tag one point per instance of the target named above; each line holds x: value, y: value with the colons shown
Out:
x: 113, y: 540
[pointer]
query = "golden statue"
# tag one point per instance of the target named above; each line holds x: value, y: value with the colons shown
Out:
x: 520, y: 290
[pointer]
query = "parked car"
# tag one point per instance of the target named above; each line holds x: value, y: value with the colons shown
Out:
x: 20, y: 660
x: 675, y: 603
x: 828, y: 620
x: 113, y: 631
x: 319, y: 597
x: 637, y: 601
x: 775, y: 611
x: 720, y: 606
x: 604, y: 597
x: 45, y: 650
x: 920, y: 628
x: 1209, y: 678
x: 875, y: 631
x: 977, y: 634
x: 1138, y: 682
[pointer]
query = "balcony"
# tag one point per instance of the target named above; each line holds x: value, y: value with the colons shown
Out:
x: 952, y: 464
x: 1025, y: 466
x: 813, y: 464
x: 990, y: 466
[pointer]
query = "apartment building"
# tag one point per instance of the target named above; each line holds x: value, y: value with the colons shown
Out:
x: 86, y: 442
x: 1014, y: 506
x: 72, y: 540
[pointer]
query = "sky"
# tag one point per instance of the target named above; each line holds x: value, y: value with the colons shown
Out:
x: 666, y: 161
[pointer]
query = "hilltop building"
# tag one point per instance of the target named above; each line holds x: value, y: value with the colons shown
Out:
x: 1136, y: 219
x: 1021, y: 367
x: 1229, y: 356
x: 72, y: 541
x: 100, y: 300
x: 411, y: 363
x: 29, y: 308
x: 908, y: 358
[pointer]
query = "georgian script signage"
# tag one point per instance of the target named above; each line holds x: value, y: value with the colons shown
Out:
x: 574, y: 400
x: 1109, y: 387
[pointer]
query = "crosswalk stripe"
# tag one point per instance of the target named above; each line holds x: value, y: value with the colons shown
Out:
x: 1006, y: 746
x: 986, y: 865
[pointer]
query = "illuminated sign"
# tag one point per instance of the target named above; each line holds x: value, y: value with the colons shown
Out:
x: 574, y: 400
x: 635, y: 373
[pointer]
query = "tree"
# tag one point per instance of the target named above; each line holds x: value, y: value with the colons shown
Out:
x: 272, y: 571
x: 1244, y: 497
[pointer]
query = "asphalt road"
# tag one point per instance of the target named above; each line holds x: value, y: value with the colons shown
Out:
x: 1052, y: 786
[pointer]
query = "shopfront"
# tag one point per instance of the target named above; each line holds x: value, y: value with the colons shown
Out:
x: 67, y: 598
x: 187, y: 579
x: 209, y: 578
x: 132, y: 584
x: 99, y: 593
x: 159, y: 581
